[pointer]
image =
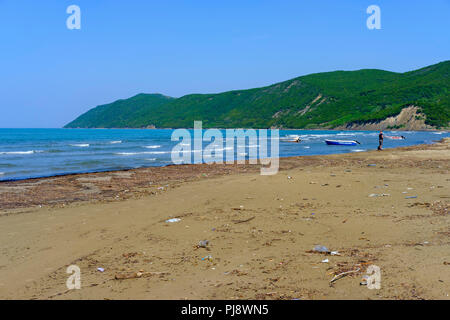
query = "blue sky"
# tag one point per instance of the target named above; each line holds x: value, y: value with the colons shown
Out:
x: 49, y: 74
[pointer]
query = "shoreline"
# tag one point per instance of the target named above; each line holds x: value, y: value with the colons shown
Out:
x: 158, y: 166
x: 290, y: 129
x: 389, y: 209
x: 161, y: 174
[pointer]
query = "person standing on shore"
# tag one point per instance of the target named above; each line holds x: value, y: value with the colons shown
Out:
x: 380, y: 140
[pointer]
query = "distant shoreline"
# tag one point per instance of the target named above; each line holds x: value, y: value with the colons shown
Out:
x: 109, y: 170
x: 290, y: 129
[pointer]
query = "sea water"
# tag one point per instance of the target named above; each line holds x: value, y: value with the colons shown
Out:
x: 31, y: 153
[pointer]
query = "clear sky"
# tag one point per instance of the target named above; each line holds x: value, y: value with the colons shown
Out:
x: 49, y: 74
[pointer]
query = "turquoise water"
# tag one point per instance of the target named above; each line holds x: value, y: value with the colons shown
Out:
x: 30, y: 153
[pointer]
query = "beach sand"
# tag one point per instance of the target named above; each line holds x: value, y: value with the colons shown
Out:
x: 261, y: 230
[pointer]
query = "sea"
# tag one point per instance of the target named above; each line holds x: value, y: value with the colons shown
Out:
x: 33, y: 153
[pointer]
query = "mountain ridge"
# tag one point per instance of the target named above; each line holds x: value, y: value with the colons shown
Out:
x: 326, y: 100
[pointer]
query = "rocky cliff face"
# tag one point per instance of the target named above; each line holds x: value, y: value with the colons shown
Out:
x: 408, y: 119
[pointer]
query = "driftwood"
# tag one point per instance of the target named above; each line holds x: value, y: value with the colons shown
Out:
x: 242, y: 221
x: 133, y: 275
x: 343, y: 274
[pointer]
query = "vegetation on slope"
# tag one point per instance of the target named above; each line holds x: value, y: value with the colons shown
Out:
x: 322, y: 100
x: 125, y: 113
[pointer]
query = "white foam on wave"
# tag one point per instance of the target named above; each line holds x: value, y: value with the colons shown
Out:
x: 218, y: 148
x: 21, y: 152
x: 314, y: 136
x: 151, y: 159
x: 80, y: 145
x: 2, y: 173
x: 115, y: 142
x: 136, y: 153
x: 345, y: 134
x: 153, y: 147
x: 359, y: 150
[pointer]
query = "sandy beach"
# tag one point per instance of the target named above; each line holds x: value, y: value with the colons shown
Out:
x: 389, y: 209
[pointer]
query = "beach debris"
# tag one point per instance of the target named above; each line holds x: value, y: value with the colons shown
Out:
x: 130, y: 254
x: 207, y: 258
x: 237, y: 272
x: 203, y: 244
x: 289, y: 177
x: 240, y: 208
x: 100, y: 269
x: 379, y: 195
x: 173, y: 220
x: 242, y: 221
x: 321, y: 249
x: 335, y: 253
x: 343, y: 274
x: 325, y: 260
x: 121, y: 276
x: 139, y: 274
x: 411, y: 197
x: 364, y: 280
x: 372, y: 165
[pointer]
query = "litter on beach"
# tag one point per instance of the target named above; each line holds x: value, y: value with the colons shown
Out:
x: 207, y: 258
x: 139, y: 274
x: 173, y: 220
x: 203, y: 244
x: 321, y: 249
x: 364, y: 280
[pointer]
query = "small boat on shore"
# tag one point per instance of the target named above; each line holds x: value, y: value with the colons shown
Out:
x: 342, y: 142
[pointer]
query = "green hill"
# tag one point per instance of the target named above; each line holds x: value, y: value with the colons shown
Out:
x: 133, y: 112
x: 322, y: 100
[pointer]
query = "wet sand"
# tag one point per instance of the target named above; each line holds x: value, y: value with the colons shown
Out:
x: 261, y: 230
